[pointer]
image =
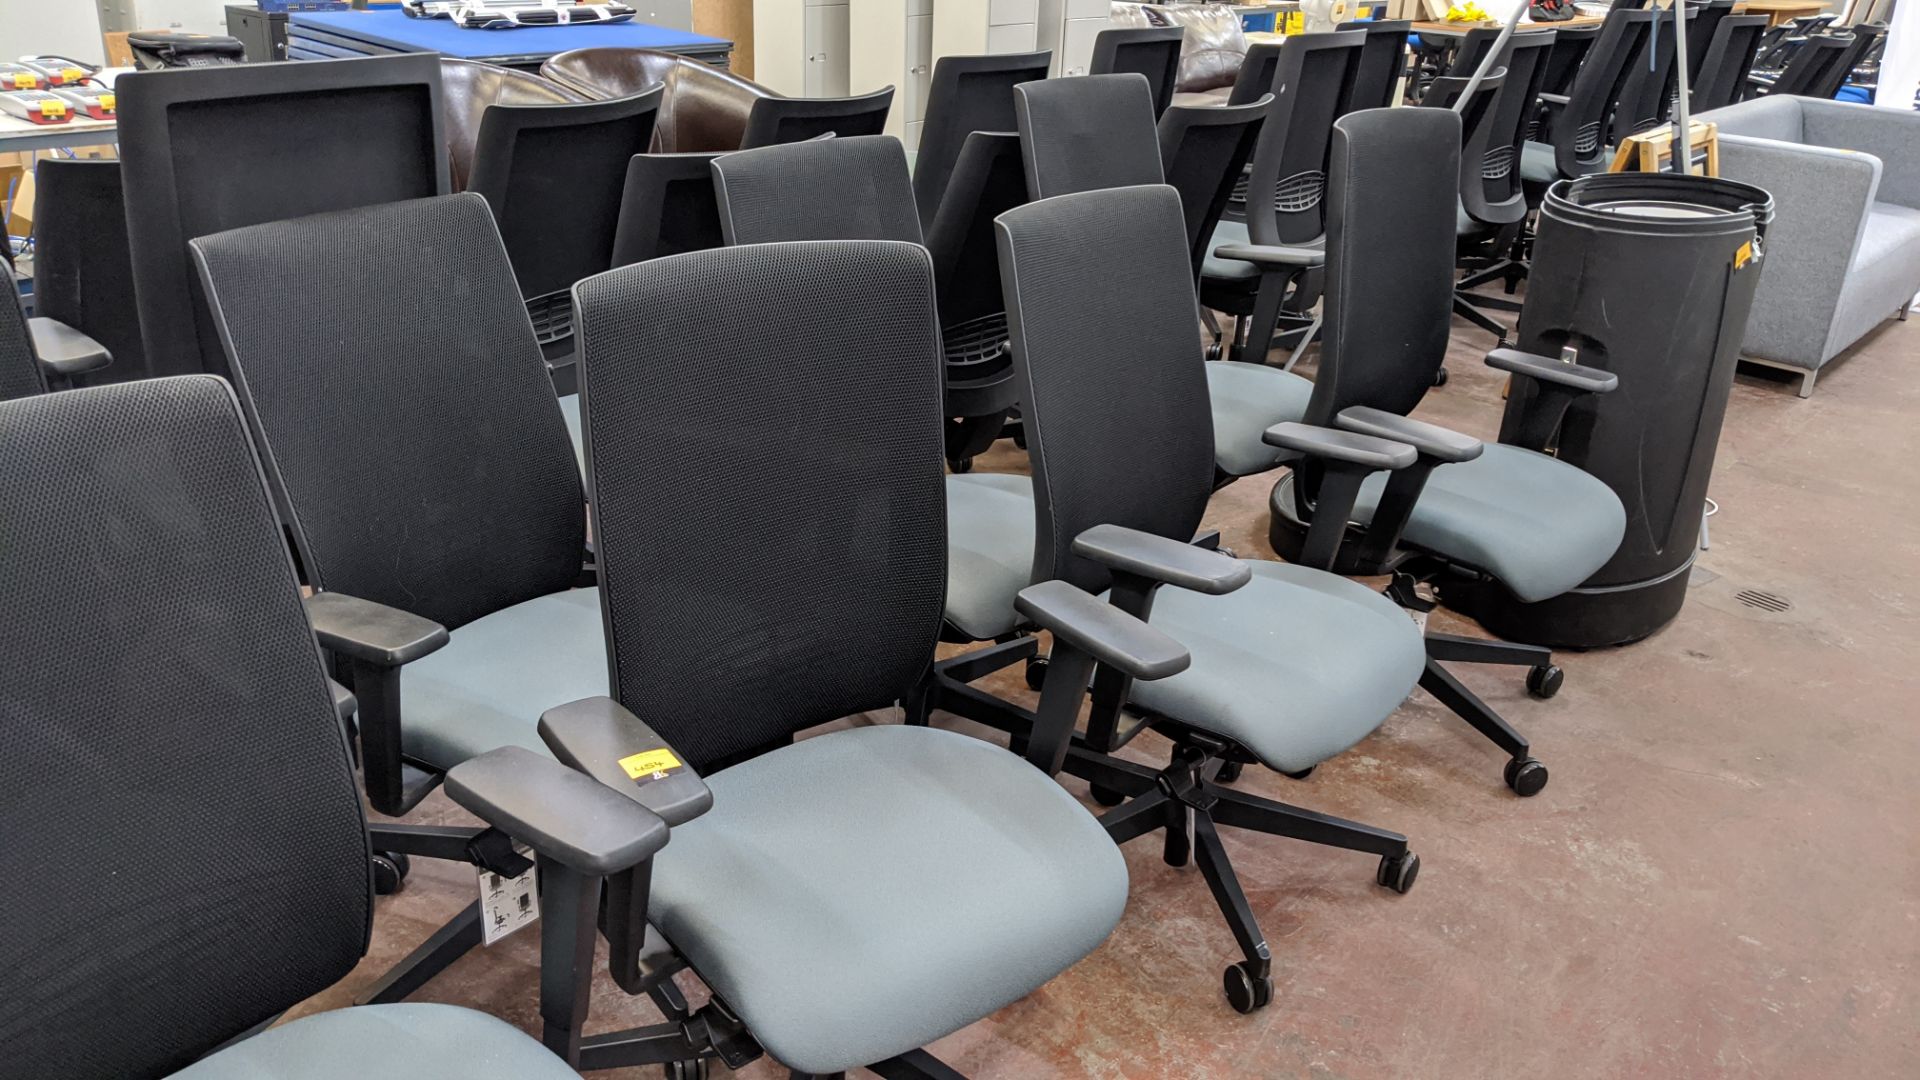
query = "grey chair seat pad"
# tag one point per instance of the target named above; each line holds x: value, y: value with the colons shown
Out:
x: 1247, y: 400
x: 1228, y: 232
x: 1537, y: 162
x: 990, y: 537
x: 865, y: 892
x: 1538, y: 524
x: 488, y: 686
x: 419, y: 1042
x: 1296, y: 666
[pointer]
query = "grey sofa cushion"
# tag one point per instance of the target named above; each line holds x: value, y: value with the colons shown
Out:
x: 1247, y: 400
x: 497, y: 674
x: 865, y: 892
x: 1885, y: 274
x: 419, y: 1042
x: 990, y: 538
x: 1296, y: 665
x: 1776, y: 118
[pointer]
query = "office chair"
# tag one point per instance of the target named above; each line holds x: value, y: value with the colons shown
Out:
x: 1493, y: 200
x: 436, y: 488
x: 1511, y: 516
x: 666, y: 208
x: 966, y: 94
x: 1383, y: 60
x: 41, y: 354
x: 1863, y: 40
x: 191, y: 772
x: 785, y: 120
x: 1700, y: 34
x: 1728, y: 62
x: 468, y: 89
x: 1151, y: 51
x: 1646, y: 100
x: 1097, y: 132
x: 1571, y: 44
x: 21, y: 373
x: 82, y: 274
x: 858, y: 189
x: 218, y: 148
x: 1779, y: 43
x: 1290, y: 664
x: 853, y: 896
x: 1808, y: 67
x: 1313, y: 79
x: 1254, y: 80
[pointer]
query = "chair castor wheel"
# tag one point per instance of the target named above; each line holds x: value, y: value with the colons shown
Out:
x: 389, y: 872
x: 1246, y: 991
x: 1543, y: 680
x: 1215, y: 351
x: 1036, y: 673
x: 1106, y: 796
x: 1229, y: 772
x: 1526, y: 776
x: 1397, y: 872
x: 961, y: 465
x: 1302, y: 774
x: 685, y: 1070
x: 1441, y: 376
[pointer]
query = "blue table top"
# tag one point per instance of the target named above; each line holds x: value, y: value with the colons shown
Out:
x: 391, y: 28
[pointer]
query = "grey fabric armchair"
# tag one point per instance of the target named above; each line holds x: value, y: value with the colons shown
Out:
x: 1844, y: 246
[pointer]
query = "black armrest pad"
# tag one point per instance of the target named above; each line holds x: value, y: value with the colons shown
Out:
x: 1434, y: 441
x: 1102, y: 631
x: 344, y: 704
x: 1271, y: 254
x: 1347, y: 446
x: 376, y: 633
x: 64, y: 350
x: 600, y: 738
x: 573, y: 819
x: 1157, y: 558
x: 1553, y: 370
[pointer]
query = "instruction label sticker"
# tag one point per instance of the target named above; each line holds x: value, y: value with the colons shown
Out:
x: 506, y: 904
x: 650, y: 765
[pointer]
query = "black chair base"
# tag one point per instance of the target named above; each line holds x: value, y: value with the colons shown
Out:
x: 1463, y: 306
x: 1524, y: 774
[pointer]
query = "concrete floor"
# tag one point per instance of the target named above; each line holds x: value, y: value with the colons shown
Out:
x: 1722, y: 879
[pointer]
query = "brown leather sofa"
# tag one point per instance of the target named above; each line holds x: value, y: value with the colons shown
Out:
x: 703, y: 110
x: 467, y: 88
x: 1210, y: 53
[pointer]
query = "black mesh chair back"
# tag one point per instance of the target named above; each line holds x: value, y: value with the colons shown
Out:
x: 20, y: 373
x: 82, y: 275
x: 208, y: 149
x: 1728, y: 61
x: 667, y: 207
x: 1571, y: 44
x: 1812, y: 65
x: 1501, y: 199
x: 1476, y: 129
x: 1646, y: 99
x: 966, y: 94
x: 1863, y: 40
x: 1255, y: 79
x: 786, y: 120
x: 1095, y: 131
x: 1288, y: 180
x: 1383, y: 60
x: 1203, y: 151
x: 1390, y: 232
x: 833, y: 189
x: 554, y: 176
x: 1707, y: 15
x: 1599, y: 92
x: 417, y: 445
x: 173, y: 759
x: 1114, y: 389
x: 846, y: 617
x: 1151, y: 51
x: 988, y: 179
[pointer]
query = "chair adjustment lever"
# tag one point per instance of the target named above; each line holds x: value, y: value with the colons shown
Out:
x: 493, y: 850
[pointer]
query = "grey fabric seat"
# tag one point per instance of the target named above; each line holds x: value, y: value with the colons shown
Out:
x: 1538, y: 524
x: 1228, y: 232
x: 419, y: 1042
x: 842, y: 928
x: 570, y: 412
x: 1247, y: 400
x: 488, y: 686
x: 1537, y: 164
x: 990, y: 530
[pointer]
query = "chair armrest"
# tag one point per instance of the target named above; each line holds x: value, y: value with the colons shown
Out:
x: 564, y: 816
x: 65, y: 351
x: 1429, y: 440
x: 343, y: 701
x: 369, y: 632
x: 1367, y: 452
x: 1273, y: 256
x: 600, y: 738
x: 1102, y: 631
x: 1577, y: 377
x: 1156, y: 558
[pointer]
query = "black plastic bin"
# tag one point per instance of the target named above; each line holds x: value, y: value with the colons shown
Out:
x: 1649, y: 276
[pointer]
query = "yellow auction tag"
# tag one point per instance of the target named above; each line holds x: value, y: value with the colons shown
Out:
x: 24, y: 81
x: 650, y: 764
x: 1743, y: 256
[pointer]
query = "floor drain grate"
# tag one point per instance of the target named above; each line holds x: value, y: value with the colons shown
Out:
x: 1764, y: 601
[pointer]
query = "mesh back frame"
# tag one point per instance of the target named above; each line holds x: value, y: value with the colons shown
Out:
x: 439, y: 479
x: 667, y: 207
x: 1203, y: 150
x: 20, y: 374
x: 1729, y: 60
x: 1100, y: 300
x: 966, y: 94
x: 1383, y: 59
x: 724, y: 654
x: 1081, y: 134
x: 81, y: 271
x: 1153, y: 52
x: 774, y: 120
x: 1599, y: 90
x: 829, y: 189
x: 188, y: 809
x: 1286, y: 185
